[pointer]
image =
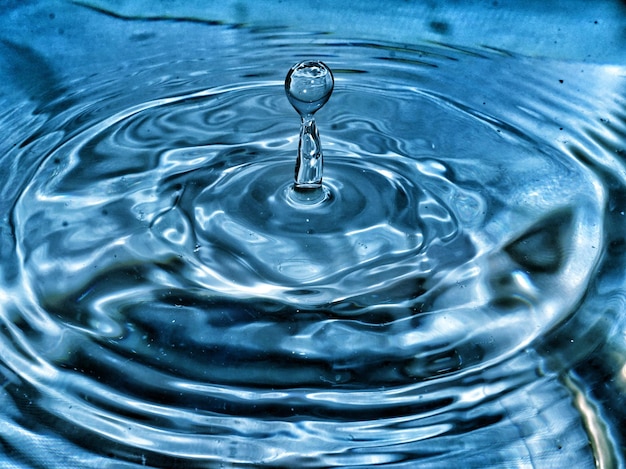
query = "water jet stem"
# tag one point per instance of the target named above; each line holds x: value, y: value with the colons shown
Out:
x: 309, y: 165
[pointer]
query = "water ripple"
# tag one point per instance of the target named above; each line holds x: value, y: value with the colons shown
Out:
x: 176, y: 302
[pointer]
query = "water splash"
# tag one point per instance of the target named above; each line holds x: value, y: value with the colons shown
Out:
x: 167, y: 301
x: 308, y: 86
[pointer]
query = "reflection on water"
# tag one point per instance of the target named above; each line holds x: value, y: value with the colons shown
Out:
x: 457, y: 295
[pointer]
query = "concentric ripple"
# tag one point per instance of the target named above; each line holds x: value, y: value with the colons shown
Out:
x: 178, y: 302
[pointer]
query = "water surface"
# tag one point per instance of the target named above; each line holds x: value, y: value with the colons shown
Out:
x: 167, y: 301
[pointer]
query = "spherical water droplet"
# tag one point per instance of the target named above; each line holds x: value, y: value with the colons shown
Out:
x: 308, y: 86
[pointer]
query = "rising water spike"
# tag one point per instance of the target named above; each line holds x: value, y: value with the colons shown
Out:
x: 308, y: 86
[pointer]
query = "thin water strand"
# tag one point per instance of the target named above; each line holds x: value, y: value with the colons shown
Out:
x: 310, y: 161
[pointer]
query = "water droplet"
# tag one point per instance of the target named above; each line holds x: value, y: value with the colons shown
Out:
x: 308, y: 86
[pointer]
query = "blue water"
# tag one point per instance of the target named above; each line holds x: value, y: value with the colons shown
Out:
x: 167, y: 299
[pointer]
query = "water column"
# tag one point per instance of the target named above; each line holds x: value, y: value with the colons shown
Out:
x: 308, y: 87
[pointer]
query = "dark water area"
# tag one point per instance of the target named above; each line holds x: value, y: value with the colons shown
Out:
x: 456, y: 298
